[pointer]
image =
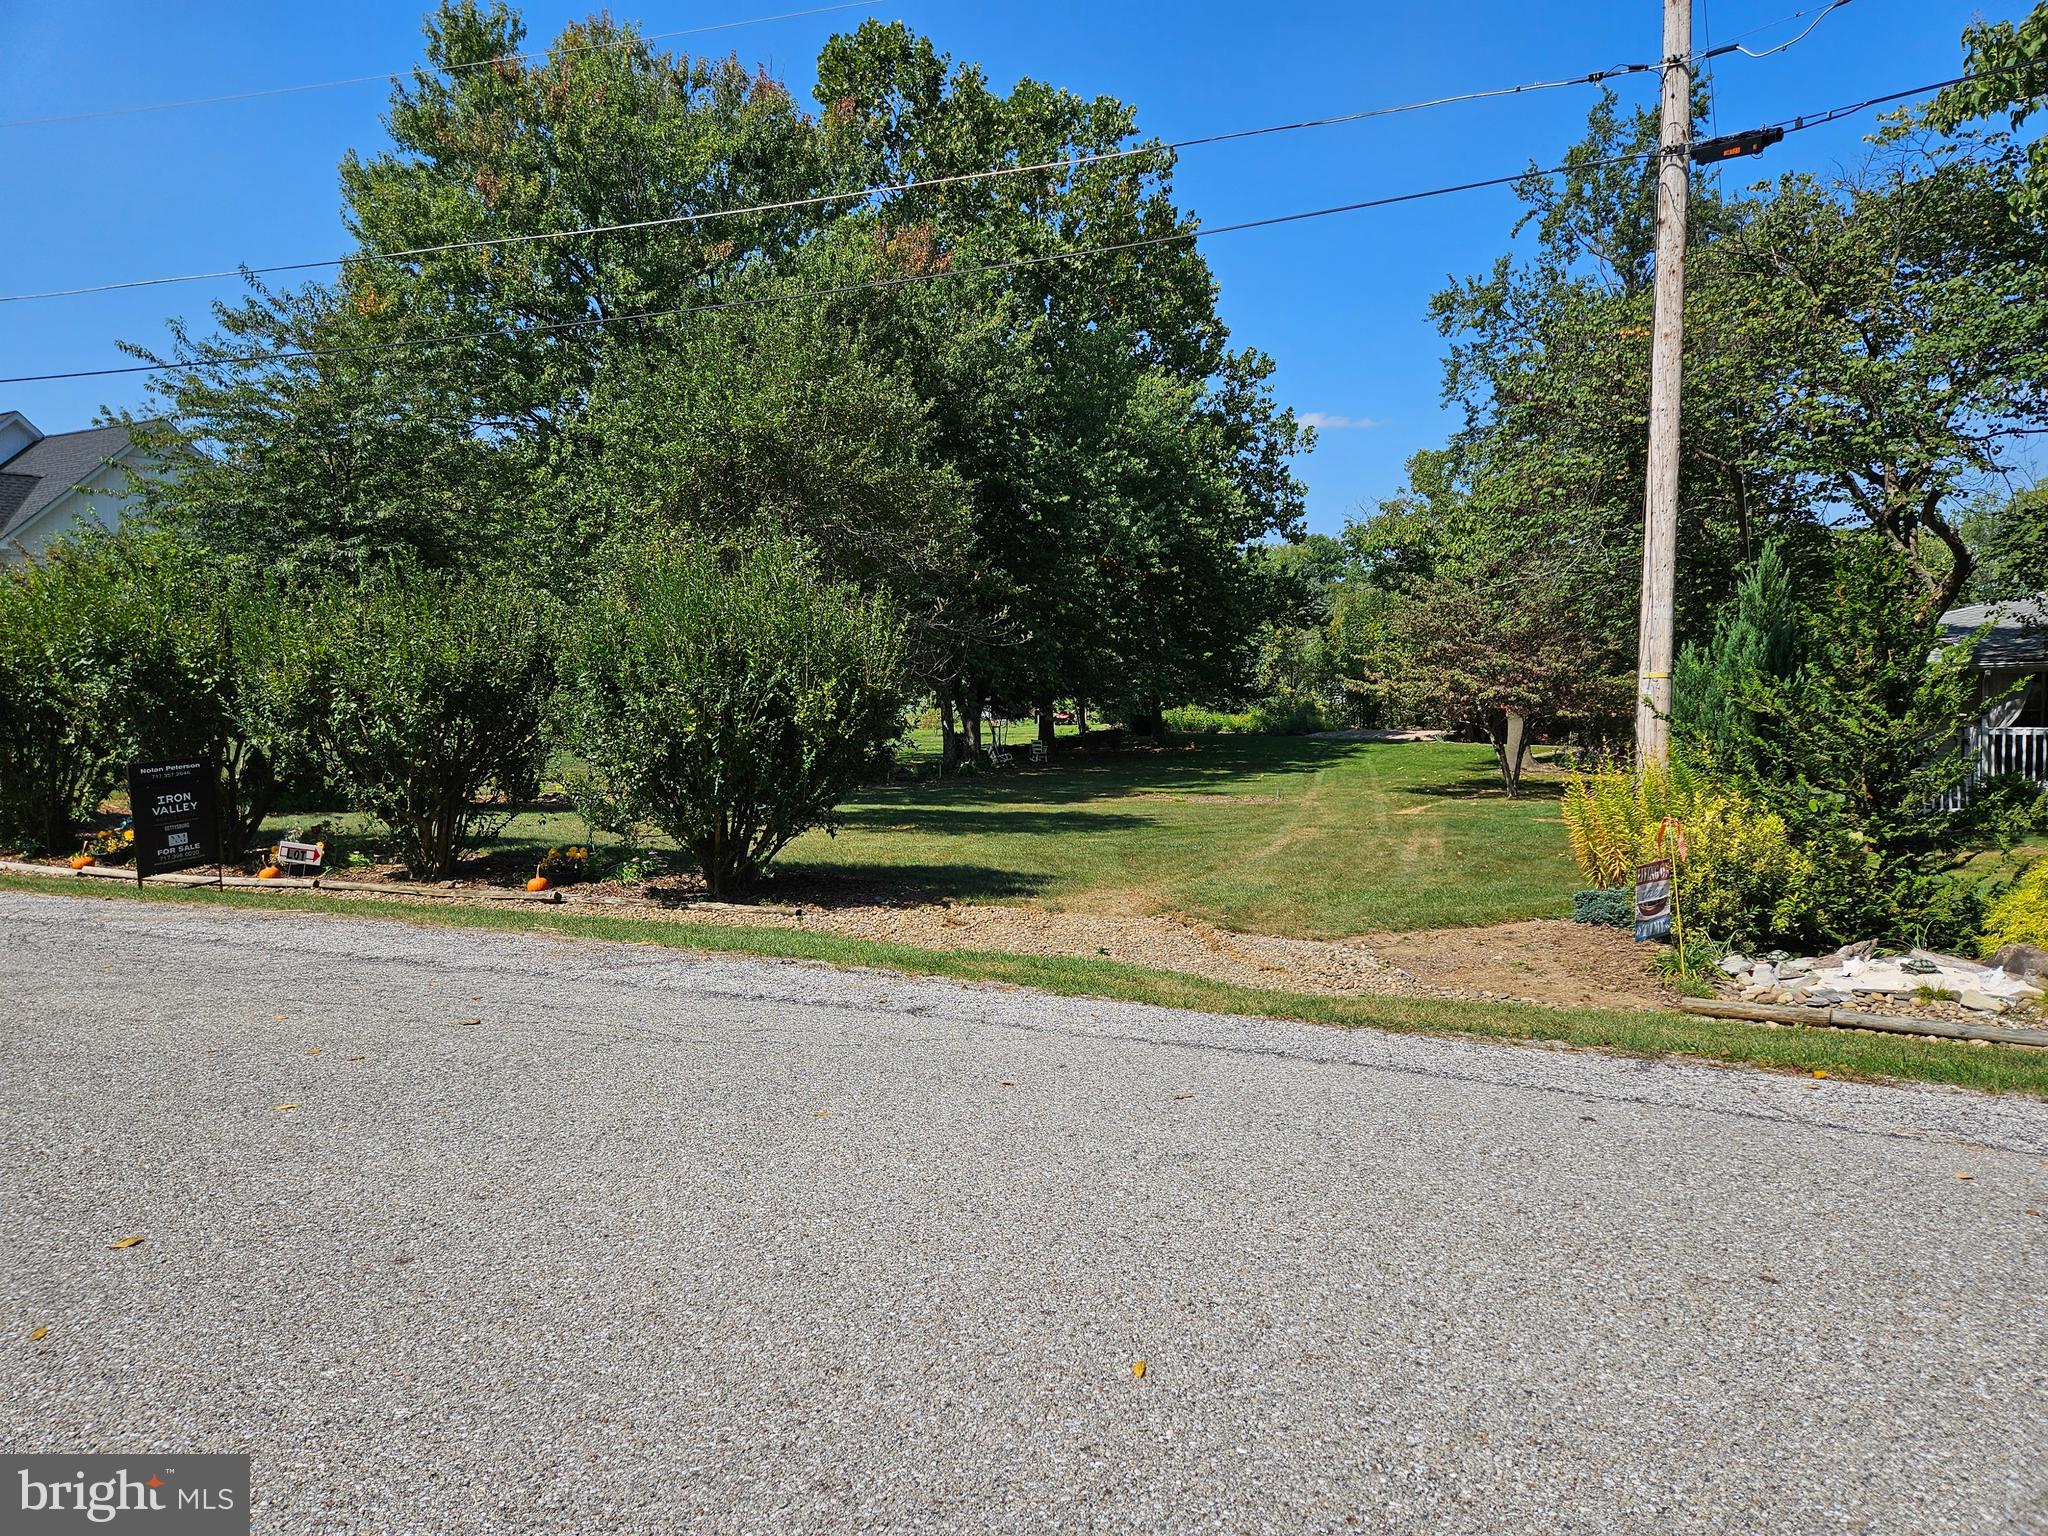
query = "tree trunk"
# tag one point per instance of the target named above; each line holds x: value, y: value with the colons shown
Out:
x: 249, y: 793
x: 950, y: 740
x: 970, y: 710
x: 1048, y: 728
x: 1080, y: 714
x: 1510, y: 749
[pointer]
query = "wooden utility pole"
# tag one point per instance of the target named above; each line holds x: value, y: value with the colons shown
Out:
x: 1660, y: 491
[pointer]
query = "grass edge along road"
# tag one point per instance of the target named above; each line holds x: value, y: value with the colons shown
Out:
x: 1994, y: 1068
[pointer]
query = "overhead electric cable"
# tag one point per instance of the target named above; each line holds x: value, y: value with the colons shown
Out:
x: 503, y: 58
x: 834, y: 291
x: 1789, y: 125
x: 857, y: 194
x: 1825, y: 12
x: 1728, y: 43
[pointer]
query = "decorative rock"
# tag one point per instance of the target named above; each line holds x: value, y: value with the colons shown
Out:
x: 1733, y: 965
x: 1947, y: 962
x: 2027, y: 960
x: 1793, y: 968
x: 1765, y: 974
x: 1861, y: 950
x: 1828, y: 995
x: 1982, y: 1002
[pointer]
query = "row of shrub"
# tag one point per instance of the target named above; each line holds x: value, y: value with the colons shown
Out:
x: 725, y: 695
x: 1284, y: 714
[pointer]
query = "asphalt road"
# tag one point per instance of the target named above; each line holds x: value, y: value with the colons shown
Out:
x: 670, y: 1243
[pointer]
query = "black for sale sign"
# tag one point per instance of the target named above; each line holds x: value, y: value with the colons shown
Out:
x: 172, y: 808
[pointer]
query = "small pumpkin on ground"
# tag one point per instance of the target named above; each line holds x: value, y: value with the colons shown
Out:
x: 268, y: 872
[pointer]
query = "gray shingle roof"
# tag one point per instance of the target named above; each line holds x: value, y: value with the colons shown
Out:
x: 2019, y: 630
x: 51, y: 466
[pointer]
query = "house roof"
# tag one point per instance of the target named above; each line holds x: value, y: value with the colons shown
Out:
x: 50, y: 466
x: 2019, y: 630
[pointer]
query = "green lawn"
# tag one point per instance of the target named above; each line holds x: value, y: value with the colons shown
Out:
x: 1283, y: 835
x: 1313, y: 839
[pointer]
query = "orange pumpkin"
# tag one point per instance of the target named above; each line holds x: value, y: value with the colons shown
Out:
x: 537, y: 883
x: 267, y: 872
x: 80, y: 860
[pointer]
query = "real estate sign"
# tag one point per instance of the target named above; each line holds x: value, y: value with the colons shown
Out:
x: 173, y: 808
x: 1653, y: 899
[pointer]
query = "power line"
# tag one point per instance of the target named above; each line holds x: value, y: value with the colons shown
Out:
x: 1825, y: 12
x: 1816, y: 119
x: 1765, y: 26
x: 833, y: 291
x: 506, y: 58
x: 855, y: 195
x: 1789, y: 125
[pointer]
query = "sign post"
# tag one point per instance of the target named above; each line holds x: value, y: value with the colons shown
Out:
x: 175, y: 809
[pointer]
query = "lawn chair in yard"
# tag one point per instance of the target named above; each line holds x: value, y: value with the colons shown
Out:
x: 1038, y: 752
x: 999, y: 756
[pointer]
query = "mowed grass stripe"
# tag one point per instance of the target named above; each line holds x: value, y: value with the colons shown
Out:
x: 1307, y: 845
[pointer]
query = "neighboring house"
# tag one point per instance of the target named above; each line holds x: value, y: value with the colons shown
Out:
x: 2012, y: 660
x: 52, y: 484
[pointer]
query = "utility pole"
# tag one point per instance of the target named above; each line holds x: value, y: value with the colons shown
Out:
x: 1660, y: 491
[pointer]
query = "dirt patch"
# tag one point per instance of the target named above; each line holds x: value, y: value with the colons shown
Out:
x: 1168, y: 942
x: 1560, y: 964
x: 1550, y: 961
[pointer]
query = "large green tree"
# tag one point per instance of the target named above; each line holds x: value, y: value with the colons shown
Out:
x: 1863, y: 350
x: 2007, y: 66
x: 1007, y: 400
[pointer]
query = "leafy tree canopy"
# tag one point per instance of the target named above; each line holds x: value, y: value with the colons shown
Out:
x: 995, y: 401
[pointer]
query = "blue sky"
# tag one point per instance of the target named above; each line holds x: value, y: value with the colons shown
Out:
x: 1340, y: 303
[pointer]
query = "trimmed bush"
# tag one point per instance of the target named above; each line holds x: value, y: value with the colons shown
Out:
x: 732, y: 697
x: 1605, y: 908
x: 424, y: 693
x: 105, y: 656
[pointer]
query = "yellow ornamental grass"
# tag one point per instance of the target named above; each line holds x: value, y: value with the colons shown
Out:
x: 1739, y: 860
x: 2020, y: 916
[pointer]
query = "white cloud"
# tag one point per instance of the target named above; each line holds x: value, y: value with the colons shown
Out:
x: 1329, y: 423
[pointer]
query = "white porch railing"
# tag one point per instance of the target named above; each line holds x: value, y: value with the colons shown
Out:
x: 2002, y: 749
